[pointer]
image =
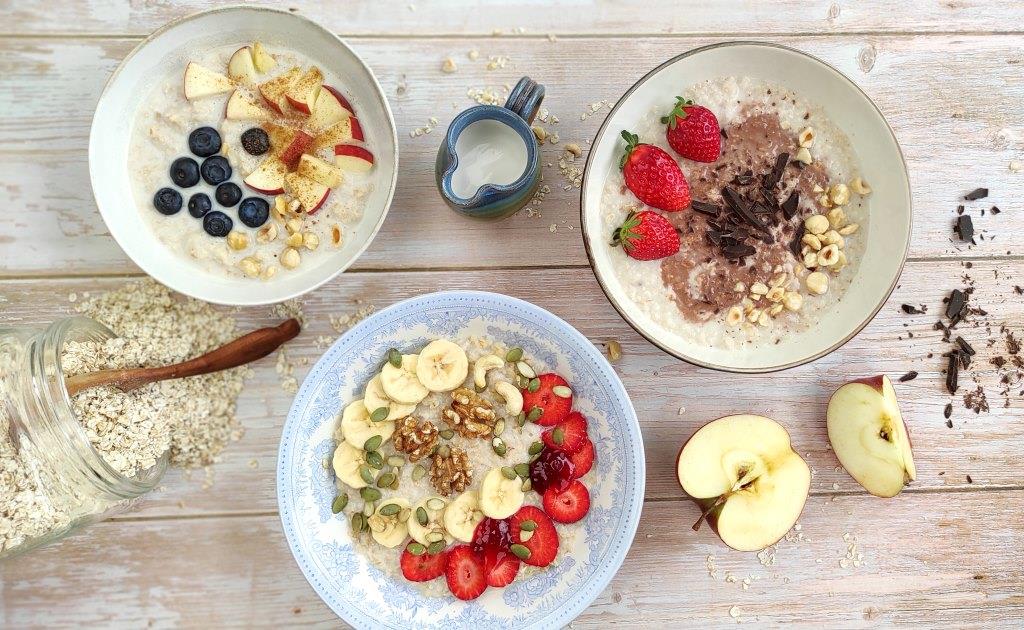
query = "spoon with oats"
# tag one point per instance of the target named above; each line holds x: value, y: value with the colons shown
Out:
x: 245, y: 349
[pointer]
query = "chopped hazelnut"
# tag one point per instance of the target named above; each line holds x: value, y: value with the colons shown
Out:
x: 775, y: 294
x: 836, y: 218
x: 860, y: 186
x: 828, y: 256
x: 759, y: 288
x: 817, y: 283
x: 310, y: 241
x: 806, y: 137
x: 847, y: 230
x: 816, y: 224
x: 839, y: 194
x: 811, y: 241
x: 290, y: 258
x: 793, y: 301
x: 734, y: 317
x: 250, y: 266
x: 448, y: 65
x: 810, y: 260
x: 267, y: 233
x: 238, y: 240
x: 294, y: 240
x: 803, y: 156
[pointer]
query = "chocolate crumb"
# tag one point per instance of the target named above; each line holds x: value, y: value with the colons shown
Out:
x: 976, y: 194
x: 724, y: 135
x: 966, y: 347
x: 994, y: 210
x: 790, y: 205
x: 949, y: 423
x: 969, y: 480
x: 910, y: 309
x: 909, y: 376
x: 775, y: 175
x: 952, y: 372
x: 965, y: 228
x: 948, y: 411
x: 955, y: 305
x: 976, y: 400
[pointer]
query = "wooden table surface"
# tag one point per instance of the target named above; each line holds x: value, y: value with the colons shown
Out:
x: 208, y: 550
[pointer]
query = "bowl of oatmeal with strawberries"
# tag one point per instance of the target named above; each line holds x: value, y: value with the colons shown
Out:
x: 746, y: 207
x: 243, y: 155
x: 460, y: 457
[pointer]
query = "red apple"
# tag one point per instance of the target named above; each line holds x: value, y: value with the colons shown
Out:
x: 268, y: 178
x: 273, y: 91
x: 240, y: 66
x: 293, y: 152
x: 327, y: 110
x: 316, y: 169
x: 200, y: 81
x: 303, y: 93
x: 352, y: 157
x: 310, y: 193
x: 242, y: 106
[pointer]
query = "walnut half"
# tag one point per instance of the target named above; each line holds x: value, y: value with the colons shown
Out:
x: 450, y: 471
x: 415, y: 438
x: 470, y: 415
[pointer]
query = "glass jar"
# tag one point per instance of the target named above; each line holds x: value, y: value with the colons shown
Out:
x: 52, y: 481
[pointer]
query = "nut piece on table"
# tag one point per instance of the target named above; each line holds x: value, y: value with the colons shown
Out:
x: 470, y: 415
x: 450, y: 471
x: 415, y: 438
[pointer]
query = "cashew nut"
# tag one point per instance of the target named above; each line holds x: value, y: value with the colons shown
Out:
x: 480, y: 367
x: 512, y: 396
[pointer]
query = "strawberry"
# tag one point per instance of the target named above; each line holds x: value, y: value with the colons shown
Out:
x: 465, y: 573
x: 500, y: 567
x: 543, y: 543
x: 424, y: 567
x: 583, y: 459
x: 647, y: 235
x: 693, y: 131
x: 567, y: 505
x: 653, y: 175
x: 553, y: 407
x: 568, y: 435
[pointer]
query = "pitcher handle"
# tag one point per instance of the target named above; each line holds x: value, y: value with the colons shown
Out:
x: 525, y: 99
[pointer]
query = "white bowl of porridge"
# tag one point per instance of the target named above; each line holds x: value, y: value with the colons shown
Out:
x: 243, y: 155
x: 791, y: 227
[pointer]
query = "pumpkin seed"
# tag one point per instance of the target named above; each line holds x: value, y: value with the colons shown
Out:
x: 418, y: 472
x: 358, y: 522
x: 527, y: 485
x: 535, y: 414
x: 370, y: 494
x: 375, y: 460
x: 339, y: 504
x: 447, y: 434
x: 395, y: 357
x: 534, y: 458
x: 525, y: 369
x: 434, y: 537
x: 521, y: 419
x: 521, y: 551
x: 385, y: 480
x: 396, y: 461
x: 508, y: 472
x: 421, y: 516
x: 514, y: 355
x: 369, y: 508
x: 558, y: 436
x: 391, y: 509
x: 404, y: 515
x: 526, y: 535
x: 561, y: 391
x: 394, y: 484
x: 534, y: 385
x: 444, y: 451
x: 379, y: 414
x: 436, y: 547
x: 536, y: 448
x: 522, y: 382
x: 498, y: 446
x: 528, y: 525
x: 523, y: 470
x: 364, y: 472
x: 614, y: 350
x: 372, y: 443
x: 416, y: 549
x: 436, y: 503
x: 499, y: 427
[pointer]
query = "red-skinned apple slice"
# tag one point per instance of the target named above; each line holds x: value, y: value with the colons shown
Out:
x: 273, y: 91
x: 316, y: 169
x: 869, y: 436
x: 327, y: 110
x: 268, y: 178
x: 341, y: 99
x: 341, y: 132
x: 745, y: 477
x: 302, y: 94
x: 200, y: 81
x: 352, y: 157
x: 240, y: 66
x: 310, y: 193
x: 293, y: 152
x: 280, y: 136
x: 242, y: 106
x: 263, y: 60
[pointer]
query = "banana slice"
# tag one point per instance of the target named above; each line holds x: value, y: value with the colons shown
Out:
x: 463, y: 515
x: 347, y: 460
x: 435, y: 508
x: 389, y: 531
x: 374, y: 398
x: 401, y: 384
x: 357, y: 427
x: 500, y: 497
x: 442, y: 366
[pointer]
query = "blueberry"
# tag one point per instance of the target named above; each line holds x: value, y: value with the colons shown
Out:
x: 254, y: 211
x: 255, y: 141
x: 199, y: 204
x: 185, y: 172
x: 216, y: 223
x: 204, y: 141
x: 216, y: 170
x: 167, y: 201
x: 228, y: 194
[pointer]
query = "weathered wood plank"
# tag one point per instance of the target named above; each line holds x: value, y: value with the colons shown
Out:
x: 937, y: 559
x: 365, y: 17
x: 983, y: 446
x: 953, y: 144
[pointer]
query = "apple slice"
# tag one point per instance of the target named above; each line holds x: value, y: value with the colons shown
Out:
x: 327, y: 110
x: 268, y: 178
x: 869, y: 436
x: 310, y: 193
x: 273, y: 91
x: 240, y: 66
x: 316, y: 169
x: 336, y: 93
x: 302, y: 94
x: 280, y: 136
x: 293, y: 152
x: 352, y: 157
x: 200, y: 81
x: 341, y: 132
x: 261, y: 59
x: 746, y: 478
x: 242, y: 106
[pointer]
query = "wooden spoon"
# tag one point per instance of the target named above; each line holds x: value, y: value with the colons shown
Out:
x: 245, y: 349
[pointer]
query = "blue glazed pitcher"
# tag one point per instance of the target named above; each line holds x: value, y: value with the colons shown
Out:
x: 494, y: 200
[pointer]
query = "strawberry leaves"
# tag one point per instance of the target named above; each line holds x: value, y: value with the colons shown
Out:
x: 678, y: 112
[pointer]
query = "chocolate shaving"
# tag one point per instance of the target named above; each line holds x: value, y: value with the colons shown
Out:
x: 966, y: 347
x: 956, y: 305
x: 775, y: 175
x: 789, y: 206
x: 976, y: 194
x: 796, y: 244
x: 952, y: 372
x: 910, y: 309
x: 909, y: 376
x: 948, y: 411
x: 994, y: 210
x: 703, y: 207
x: 964, y: 227
x: 724, y: 135
x: 739, y: 207
x: 744, y: 179
x: 739, y: 250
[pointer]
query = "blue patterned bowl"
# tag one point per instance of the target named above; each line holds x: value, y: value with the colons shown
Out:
x: 366, y: 597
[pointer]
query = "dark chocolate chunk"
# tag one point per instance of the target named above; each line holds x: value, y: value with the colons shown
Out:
x: 964, y: 227
x: 966, y: 347
x: 949, y: 423
x: 969, y: 480
x: 994, y: 210
x: 976, y: 194
x: 909, y: 376
x: 910, y: 309
x: 703, y: 207
x: 796, y: 244
x: 956, y: 304
x: 724, y: 135
x: 775, y: 175
x: 960, y: 209
x: 965, y: 360
x: 948, y: 411
x: 744, y: 179
x: 789, y: 206
x: 716, y: 237
x: 769, y: 199
x: 952, y: 372
x: 739, y: 206
x: 739, y: 250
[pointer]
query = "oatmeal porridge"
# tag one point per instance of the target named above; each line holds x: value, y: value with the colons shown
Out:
x: 256, y: 168
x: 458, y: 461
x: 740, y: 214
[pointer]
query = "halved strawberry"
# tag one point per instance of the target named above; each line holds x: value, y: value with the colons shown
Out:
x: 424, y: 567
x: 583, y: 459
x: 465, y: 573
x: 554, y: 408
x: 568, y: 435
x: 567, y: 505
x: 543, y: 543
x: 500, y: 567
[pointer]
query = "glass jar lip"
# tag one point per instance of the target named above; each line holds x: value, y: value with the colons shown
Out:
x: 119, y: 483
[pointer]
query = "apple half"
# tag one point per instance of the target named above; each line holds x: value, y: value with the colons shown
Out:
x: 263, y: 60
x: 268, y: 178
x: 329, y: 108
x: 870, y: 438
x: 745, y: 477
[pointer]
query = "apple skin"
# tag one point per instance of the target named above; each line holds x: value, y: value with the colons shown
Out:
x: 341, y: 99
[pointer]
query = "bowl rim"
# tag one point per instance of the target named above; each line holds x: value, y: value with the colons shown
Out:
x: 633, y: 431
x: 187, y: 288
x: 623, y: 312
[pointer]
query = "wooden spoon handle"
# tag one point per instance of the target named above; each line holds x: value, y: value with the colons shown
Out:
x: 245, y: 349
